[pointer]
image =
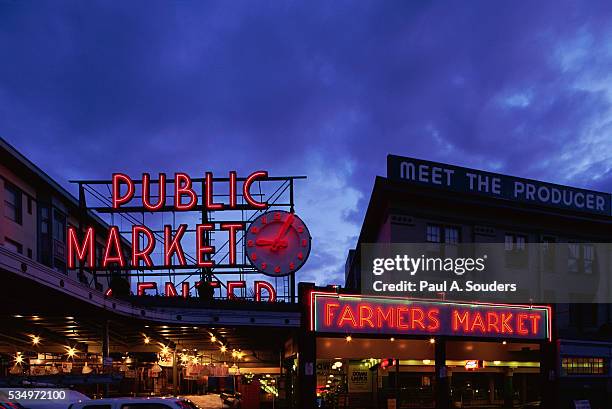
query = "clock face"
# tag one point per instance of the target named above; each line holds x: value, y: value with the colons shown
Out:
x: 277, y: 243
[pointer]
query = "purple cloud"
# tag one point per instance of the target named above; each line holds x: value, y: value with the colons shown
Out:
x: 323, y: 89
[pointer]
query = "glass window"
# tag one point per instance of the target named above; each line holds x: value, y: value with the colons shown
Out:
x: 516, y: 250
x: 515, y: 242
x: 451, y: 235
x: 573, y: 255
x: 583, y: 366
x: 520, y: 242
x: 12, y: 202
x: 588, y: 258
x: 548, y: 253
x: 44, y: 220
x: 433, y: 233
x: 509, y: 242
x: 59, y: 226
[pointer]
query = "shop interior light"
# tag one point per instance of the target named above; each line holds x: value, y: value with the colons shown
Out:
x: 35, y: 339
x: 426, y: 361
x: 71, y: 352
x: 213, y: 338
x: 392, y: 339
x: 223, y: 348
x: 349, y: 338
x: 496, y: 362
x: 18, y: 358
x: 146, y: 340
x: 432, y: 340
x: 504, y: 343
x: 164, y: 350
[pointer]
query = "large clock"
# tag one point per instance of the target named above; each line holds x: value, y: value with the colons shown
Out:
x: 277, y: 243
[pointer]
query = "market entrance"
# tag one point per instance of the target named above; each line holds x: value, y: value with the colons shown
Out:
x: 412, y: 353
x: 368, y: 372
x: 120, y: 348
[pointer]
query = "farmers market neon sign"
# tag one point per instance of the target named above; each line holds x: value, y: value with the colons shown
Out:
x: 356, y: 314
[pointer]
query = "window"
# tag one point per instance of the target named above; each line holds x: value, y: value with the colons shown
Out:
x: 29, y: 205
x: 580, y: 258
x: 12, y: 202
x: 44, y: 220
x: 433, y: 233
x: 588, y: 255
x: 59, y: 226
x: 583, y: 366
x: 436, y: 234
x: 451, y: 235
x: 573, y: 257
x: 515, y: 246
x: 548, y: 254
x: 13, y: 245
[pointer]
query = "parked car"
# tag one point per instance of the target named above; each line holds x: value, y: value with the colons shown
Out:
x: 135, y: 403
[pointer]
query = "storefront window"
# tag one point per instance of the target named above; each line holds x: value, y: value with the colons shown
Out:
x: 583, y: 366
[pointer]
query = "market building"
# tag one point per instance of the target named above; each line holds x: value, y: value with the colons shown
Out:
x: 430, y: 361
x: 83, y: 307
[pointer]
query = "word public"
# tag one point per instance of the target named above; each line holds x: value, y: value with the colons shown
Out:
x: 81, y: 244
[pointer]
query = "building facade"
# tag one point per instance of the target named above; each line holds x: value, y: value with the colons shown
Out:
x: 418, y: 202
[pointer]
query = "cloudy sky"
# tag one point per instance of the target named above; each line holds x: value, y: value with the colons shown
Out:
x: 324, y: 89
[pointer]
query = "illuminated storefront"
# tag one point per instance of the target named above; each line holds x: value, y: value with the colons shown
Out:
x: 371, y: 351
x: 367, y: 349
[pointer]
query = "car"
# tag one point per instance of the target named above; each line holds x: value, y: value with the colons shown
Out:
x: 10, y: 405
x: 135, y: 403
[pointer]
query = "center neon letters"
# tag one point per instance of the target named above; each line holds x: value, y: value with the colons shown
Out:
x: 264, y: 291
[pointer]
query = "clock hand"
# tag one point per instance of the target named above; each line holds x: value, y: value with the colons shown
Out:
x: 269, y: 242
x: 282, y: 230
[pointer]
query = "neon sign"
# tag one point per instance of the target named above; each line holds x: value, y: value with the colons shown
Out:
x: 356, y: 314
x: 281, y: 250
x: 263, y: 290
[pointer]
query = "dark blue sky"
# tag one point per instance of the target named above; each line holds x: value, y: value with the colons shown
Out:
x: 325, y: 89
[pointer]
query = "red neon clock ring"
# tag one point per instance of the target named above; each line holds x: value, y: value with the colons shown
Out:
x: 277, y: 243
